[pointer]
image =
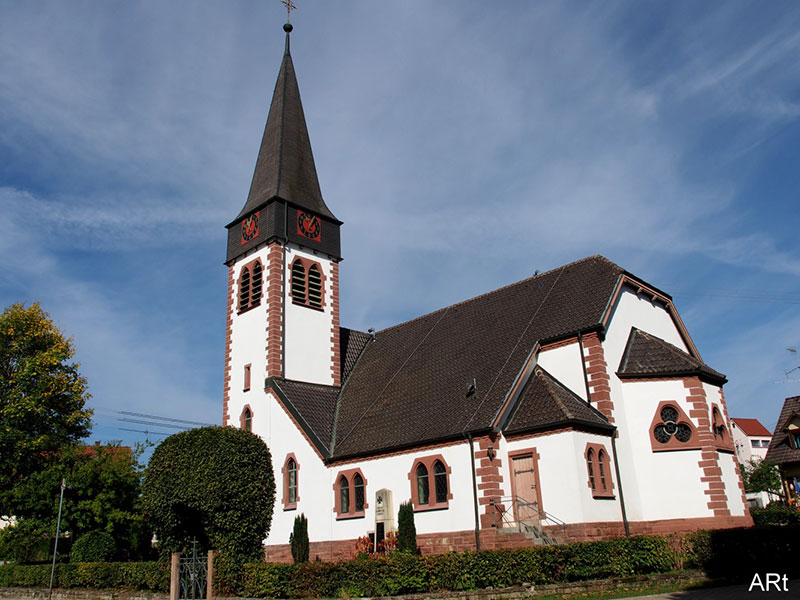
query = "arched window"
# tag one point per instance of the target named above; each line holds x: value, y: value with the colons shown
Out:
x: 314, y: 286
x: 350, y: 494
x: 430, y: 488
x: 423, y: 490
x: 298, y: 282
x: 358, y: 486
x: 601, y: 458
x: 251, y: 281
x: 291, y: 488
x: 256, y: 284
x: 598, y: 465
x: 717, y: 424
x: 307, y: 283
x: 244, y: 289
x: 246, y: 420
x: 440, y: 475
x: 344, y: 495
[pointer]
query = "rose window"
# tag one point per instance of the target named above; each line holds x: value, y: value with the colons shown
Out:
x: 670, y: 427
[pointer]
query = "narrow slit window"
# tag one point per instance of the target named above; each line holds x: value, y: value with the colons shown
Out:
x: 358, y: 488
x: 314, y: 286
x: 440, y: 477
x: 601, y: 456
x: 344, y: 495
x: 298, y: 282
x: 246, y: 386
x: 423, y: 490
x: 292, y: 484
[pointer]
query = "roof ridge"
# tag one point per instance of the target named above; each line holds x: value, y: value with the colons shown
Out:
x: 308, y: 383
x: 503, y: 288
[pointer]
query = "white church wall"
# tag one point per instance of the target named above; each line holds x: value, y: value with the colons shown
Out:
x: 565, y: 364
x: 727, y: 463
x: 314, y: 484
x: 392, y: 472
x: 307, y: 330
x: 563, y: 476
x: 248, y: 345
x: 661, y: 485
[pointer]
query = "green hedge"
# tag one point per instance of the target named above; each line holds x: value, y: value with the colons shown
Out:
x: 775, y: 514
x: 150, y: 576
x: 406, y: 573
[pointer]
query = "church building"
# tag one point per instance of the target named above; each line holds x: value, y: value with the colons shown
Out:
x: 569, y: 406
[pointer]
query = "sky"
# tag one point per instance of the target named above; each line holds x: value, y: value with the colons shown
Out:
x: 464, y: 145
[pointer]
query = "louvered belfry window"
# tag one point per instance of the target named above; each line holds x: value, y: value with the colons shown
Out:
x: 298, y: 282
x: 256, y: 285
x: 251, y: 282
x: 307, y: 284
x: 244, y: 289
x: 314, y: 286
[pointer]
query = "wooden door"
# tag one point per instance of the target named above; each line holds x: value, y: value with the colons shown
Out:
x: 526, y: 496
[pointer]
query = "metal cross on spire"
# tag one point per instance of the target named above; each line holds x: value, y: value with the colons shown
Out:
x: 290, y: 6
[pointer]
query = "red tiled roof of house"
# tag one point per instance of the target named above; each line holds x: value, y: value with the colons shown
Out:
x: 752, y: 427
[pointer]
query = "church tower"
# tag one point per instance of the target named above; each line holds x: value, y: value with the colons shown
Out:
x: 283, y: 261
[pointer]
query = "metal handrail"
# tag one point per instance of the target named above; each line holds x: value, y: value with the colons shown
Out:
x: 530, y: 519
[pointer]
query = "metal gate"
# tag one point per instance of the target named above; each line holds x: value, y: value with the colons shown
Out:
x: 192, y: 575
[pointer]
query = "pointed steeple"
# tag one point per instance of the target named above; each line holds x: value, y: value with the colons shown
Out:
x: 285, y: 167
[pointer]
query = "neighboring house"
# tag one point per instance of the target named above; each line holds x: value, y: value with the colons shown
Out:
x: 751, y: 440
x: 571, y: 405
x: 784, y: 450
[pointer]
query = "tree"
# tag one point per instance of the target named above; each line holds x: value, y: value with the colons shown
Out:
x: 761, y: 476
x: 298, y: 539
x: 42, y: 394
x: 213, y: 484
x: 406, y: 530
x: 104, y: 485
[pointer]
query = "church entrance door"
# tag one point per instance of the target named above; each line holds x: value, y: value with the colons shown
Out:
x: 526, y: 496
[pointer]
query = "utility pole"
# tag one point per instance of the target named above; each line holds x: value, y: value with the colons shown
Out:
x: 58, y: 532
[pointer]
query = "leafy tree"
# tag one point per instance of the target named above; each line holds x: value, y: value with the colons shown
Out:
x: 298, y: 539
x: 213, y: 484
x: 406, y: 530
x: 761, y: 476
x: 42, y: 394
x: 104, y: 485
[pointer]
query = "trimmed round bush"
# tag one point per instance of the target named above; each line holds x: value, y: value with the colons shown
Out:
x: 95, y: 546
x: 212, y: 484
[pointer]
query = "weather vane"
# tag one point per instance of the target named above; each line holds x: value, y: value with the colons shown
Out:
x: 290, y: 6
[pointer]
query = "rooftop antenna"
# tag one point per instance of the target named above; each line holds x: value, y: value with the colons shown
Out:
x: 793, y: 350
x: 371, y: 332
x: 472, y: 387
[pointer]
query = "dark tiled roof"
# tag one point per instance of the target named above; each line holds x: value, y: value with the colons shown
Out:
x: 351, y: 343
x: 546, y: 402
x: 649, y: 356
x: 285, y: 165
x: 313, y: 404
x: 779, y: 449
x: 752, y: 427
x: 409, y: 386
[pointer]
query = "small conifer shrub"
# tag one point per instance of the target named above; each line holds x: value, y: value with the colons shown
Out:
x: 406, y: 530
x: 298, y: 539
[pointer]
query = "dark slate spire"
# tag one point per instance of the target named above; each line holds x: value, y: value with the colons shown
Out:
x: 285, y: 166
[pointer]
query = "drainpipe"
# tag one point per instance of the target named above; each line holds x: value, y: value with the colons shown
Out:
x: 619, y: 484
x: 474, y: 492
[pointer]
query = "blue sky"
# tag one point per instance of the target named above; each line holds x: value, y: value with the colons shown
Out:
x: 464, y: 144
